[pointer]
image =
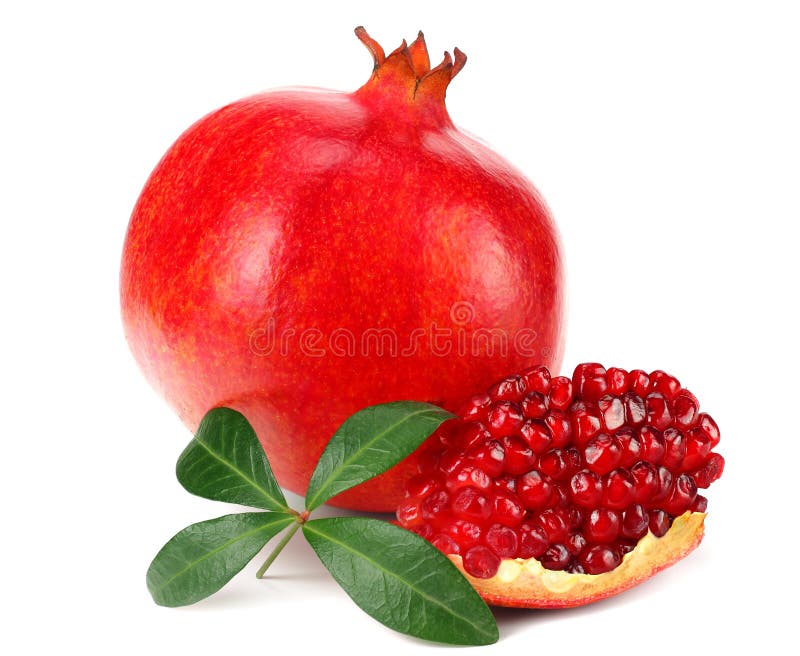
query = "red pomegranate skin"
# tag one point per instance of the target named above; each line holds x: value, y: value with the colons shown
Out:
x: 301, y: 254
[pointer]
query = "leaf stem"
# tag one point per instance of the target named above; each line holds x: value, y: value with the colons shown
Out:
x: 284, y: 541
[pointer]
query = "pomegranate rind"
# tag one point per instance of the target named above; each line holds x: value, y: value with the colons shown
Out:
x: 521, y: 583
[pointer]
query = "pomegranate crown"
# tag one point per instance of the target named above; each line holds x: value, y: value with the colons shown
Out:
x: 409, y: 66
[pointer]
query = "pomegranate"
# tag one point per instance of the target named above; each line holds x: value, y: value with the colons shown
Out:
x: 301, y: 254
x: 555, y: 492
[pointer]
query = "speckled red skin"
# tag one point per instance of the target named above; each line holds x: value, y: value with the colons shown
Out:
x: 318, y: 210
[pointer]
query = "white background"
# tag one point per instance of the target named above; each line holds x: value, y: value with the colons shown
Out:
x: 663, y: 135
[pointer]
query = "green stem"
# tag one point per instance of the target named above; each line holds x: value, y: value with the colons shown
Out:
x: 284, y: 541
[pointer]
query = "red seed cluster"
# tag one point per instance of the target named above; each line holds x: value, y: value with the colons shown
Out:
x: 571, y: 472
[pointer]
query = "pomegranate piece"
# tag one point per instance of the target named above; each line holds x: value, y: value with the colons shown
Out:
x: 572, y: 472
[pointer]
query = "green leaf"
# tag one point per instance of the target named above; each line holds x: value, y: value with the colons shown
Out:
x: 203, y: 557
x: 401, y: 580
x: 225, y: 462
x: 370, y: 442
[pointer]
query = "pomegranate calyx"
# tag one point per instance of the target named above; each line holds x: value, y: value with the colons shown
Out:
x: 372, y: 45
x: 408, y: 68
x: 525, y: 583
x: 418, y: 52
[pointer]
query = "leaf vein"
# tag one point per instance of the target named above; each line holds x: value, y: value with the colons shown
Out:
x: 409, y: 584
x: 215, y: 551
x: 331, y: 478
x: 230, y: 465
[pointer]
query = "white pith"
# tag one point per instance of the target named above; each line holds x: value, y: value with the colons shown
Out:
x: 520, y: 580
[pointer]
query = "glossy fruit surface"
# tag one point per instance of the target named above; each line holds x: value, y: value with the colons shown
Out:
x: 301, y: 254
x: 575, y: 474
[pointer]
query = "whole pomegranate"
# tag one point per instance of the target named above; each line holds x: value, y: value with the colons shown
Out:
x: 300, y: 254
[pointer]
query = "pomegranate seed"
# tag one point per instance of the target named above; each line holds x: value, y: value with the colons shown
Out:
x: 619, y: 489
x: 466, y: 534
x: 632, y: 451
x: 586, y: 489
x: 555, y: 464
x: 574, y: 459
x: 481, y: 562
x: 675, y: 448
x: 709, y: 427
x: 575, y: 543
x: 639, y: 382
x: 634, y: 522
x: 699, y: 504
x: 658, y: 523
x: 504, y: 418
x: 508, y: 509
x: 617, y: 381
x: 601, y: 526
x: 420, y: 485
x: 512, y: 388
x: 555, y: 524
x: 575, y: 518
x: 613, y: 412
x: 560, y: 428
x: 585, y: 422
x: 665, y: 479
x: 537, y: 380
x: 489, y: 456
x: 424, y: 531
x: 467, y: 476
x: 652, y: 444
x: 534, y: 490
x: 520, y: 458
x: 635, y: 412
x: 502, y: 540
x: 506, y: 483
x: 698, y: 447
x: 450, y: 461
x: 537, y: 435
x: 556, y: 557
x: 664, y: 384
x: 589, y: 381
x: 409, y: 513
x: 684, y: 409
x: 445, y: 544
x: 475, y: 408
x: 599, y: 559
x: 535, y: 405
x: 560, y: 392
x: 709, y: 472
x: 571, y: 472
x: 463, y: 436
x: 658, y: 414
x: 559, y: 498
x: 532, y: 541
x: 470, y: 504
x: 645, y: 476
x: 434, y: 504
x: 602, y: 453
x: 683, y: 492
